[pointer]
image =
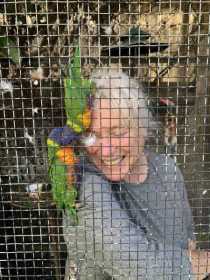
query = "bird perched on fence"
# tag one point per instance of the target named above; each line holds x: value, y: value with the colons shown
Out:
x: 62, y: 139
x: 134, y: 43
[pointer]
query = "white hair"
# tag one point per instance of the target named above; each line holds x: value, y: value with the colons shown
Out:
x: 125, y: 93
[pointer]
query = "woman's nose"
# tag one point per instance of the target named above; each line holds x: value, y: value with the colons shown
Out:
x: 107, y: 147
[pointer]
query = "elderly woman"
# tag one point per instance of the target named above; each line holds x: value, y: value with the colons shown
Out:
x: 134, y: 216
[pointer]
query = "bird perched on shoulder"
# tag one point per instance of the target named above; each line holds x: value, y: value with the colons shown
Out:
x: 61, y: 140
x: 134, y: 43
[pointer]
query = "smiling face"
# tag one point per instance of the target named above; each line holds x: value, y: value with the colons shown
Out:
x: 117, y: 148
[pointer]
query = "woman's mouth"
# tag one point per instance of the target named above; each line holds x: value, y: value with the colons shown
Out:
x: 113, y: 161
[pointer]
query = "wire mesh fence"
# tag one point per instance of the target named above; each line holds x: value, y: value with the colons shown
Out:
x: 163, y: 45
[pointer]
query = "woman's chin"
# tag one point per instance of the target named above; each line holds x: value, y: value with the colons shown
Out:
x: 115, y: 174
x: 114, y: 178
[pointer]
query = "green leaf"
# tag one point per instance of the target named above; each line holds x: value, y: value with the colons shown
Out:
x: 8, y: 49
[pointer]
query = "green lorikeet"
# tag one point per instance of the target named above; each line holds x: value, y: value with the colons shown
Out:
x: 61, y: 155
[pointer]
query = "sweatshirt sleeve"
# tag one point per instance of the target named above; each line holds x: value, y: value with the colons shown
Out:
x: 106, y: 243
x: 176, y: 210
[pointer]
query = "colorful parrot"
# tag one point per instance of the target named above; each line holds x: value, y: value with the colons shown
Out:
x: 61, y: 155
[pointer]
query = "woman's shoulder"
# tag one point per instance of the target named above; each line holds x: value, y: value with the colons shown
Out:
x: 160, y: 158
x: 162, y: 161
x: 92, y: 181
x: 165, y: 167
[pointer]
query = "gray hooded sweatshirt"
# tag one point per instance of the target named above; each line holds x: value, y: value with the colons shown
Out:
x: 131, y: 231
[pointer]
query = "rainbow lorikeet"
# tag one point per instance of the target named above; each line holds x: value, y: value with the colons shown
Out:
x: 61, y: 155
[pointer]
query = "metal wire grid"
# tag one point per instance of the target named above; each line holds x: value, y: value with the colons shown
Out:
x: 40, y: 36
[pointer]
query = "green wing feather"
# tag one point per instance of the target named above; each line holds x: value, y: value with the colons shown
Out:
x: 63, y: 196
x: 57, y: 174
x: 58, y: 180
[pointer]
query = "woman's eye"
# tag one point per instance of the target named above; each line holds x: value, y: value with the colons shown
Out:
x: 120, y: 134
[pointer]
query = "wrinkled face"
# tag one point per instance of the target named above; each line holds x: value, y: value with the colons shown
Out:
x: 117, y: 148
